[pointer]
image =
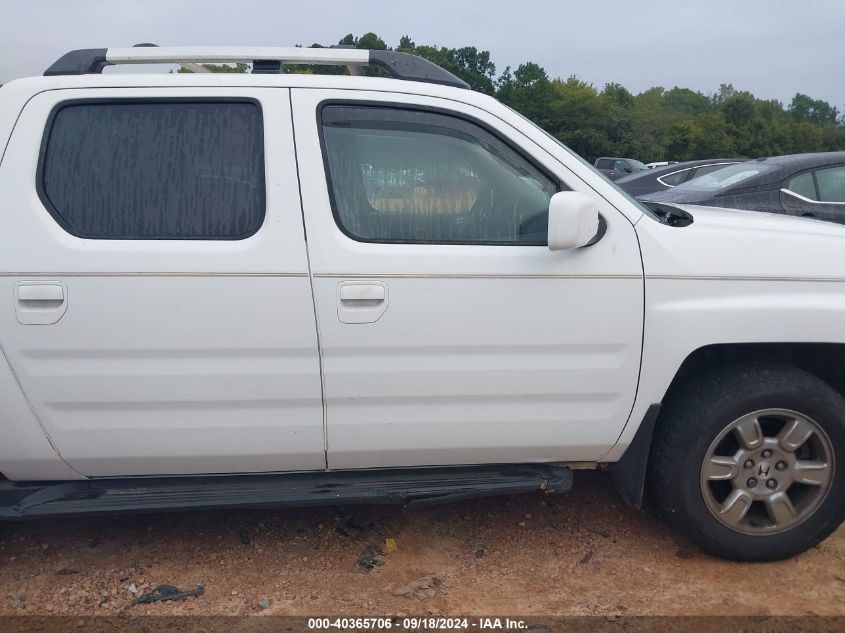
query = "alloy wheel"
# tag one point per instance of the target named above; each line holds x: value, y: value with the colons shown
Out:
x: 767, y: 471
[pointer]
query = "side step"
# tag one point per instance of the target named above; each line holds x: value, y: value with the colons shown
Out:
x: 23, y: 500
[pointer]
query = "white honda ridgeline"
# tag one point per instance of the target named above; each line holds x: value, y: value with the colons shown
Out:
x: 278, y: 289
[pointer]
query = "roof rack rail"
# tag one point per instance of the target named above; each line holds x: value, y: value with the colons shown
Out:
x: 405, y: 66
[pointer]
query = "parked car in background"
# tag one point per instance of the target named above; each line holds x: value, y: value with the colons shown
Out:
x: 661, y: 163
x: 666, y: 177
x: 810, y: 185
x: 615, y: 168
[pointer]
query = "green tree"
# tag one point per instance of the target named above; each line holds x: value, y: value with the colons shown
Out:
x: 705, y: 136
x: 406, y: 44
x: 805, y: 137
x: 650, y: 126
x: 371, y: 41
x: 529, y: 91
x: 686, y: 101
x: 804, y: 109
x: 713, y: 138
x: 468, y: 63
x: 681, y: 140
x: 618, y: 94
x: 739, y: 112
x: 833, y: 138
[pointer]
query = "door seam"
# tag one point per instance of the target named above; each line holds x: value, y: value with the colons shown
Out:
x: 311, y: 284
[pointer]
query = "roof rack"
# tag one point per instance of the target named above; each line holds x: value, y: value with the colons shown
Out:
x: 264, y: 59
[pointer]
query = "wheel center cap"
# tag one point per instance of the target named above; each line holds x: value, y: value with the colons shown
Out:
x: 764, y: 469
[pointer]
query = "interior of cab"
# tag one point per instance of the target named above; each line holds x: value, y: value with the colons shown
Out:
x: 412, y: 182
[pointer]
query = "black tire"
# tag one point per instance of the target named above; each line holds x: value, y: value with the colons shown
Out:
x: 694, y: 416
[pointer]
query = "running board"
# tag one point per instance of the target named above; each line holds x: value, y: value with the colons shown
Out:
x: 23, y: 500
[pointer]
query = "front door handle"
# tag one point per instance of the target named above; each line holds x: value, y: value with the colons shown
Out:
x: 362, y: 292
x: 40, y: 302
x: 40, y: 292
x: 361, y: 301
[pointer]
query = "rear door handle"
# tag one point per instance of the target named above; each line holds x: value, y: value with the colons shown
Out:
x: 361, y: 301
x: 362, y: 292
x: 40, y: 302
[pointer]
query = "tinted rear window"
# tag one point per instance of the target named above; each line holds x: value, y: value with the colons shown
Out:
x: 804, y: 185
x: 831, y: 183
x: 155, y: 169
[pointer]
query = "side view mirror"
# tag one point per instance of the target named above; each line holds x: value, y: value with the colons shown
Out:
x: 573, y: 220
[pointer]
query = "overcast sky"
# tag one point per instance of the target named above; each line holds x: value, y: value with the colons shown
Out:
x: 774, y: 48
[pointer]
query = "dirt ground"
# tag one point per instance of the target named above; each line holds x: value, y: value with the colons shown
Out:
x: 580, y: 553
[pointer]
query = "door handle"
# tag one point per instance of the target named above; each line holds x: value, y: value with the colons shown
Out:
x: 40, y: 302
x: 361, y: 301
x: 40, y: 292
x: 362, y: 292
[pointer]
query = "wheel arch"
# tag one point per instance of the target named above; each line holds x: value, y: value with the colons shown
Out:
x: 826, y: 361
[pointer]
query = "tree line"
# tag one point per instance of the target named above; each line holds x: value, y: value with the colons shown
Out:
x: 656, y: 124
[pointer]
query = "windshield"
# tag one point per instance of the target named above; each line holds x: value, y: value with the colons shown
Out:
x: 635, y: 163
x: 723, y: 178
x: 639, y: 205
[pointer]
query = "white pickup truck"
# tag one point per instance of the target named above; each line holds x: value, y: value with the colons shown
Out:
x: 279, y: 289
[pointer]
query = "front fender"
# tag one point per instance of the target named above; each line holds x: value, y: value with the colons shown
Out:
x: 733, y: 277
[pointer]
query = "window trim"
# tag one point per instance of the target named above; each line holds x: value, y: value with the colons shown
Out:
x: 696, y: 167
x: 786, y: 181
x: 393, y: 105
x: 785, y: 184
x: 666, y: 184
x: 804, y: 199
x: 60, y: 220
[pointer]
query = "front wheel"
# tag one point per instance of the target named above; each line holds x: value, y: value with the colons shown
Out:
x: 748, y: 461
